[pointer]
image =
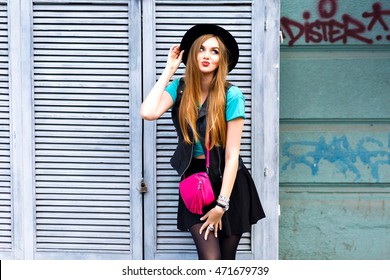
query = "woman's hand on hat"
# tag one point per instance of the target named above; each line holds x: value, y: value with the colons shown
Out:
x: 174, y: 57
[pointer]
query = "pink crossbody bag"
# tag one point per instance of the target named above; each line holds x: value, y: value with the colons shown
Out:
x: 196, y: 190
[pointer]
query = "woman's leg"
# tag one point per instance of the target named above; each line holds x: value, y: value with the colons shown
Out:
x: 207, y: 249
x: 229, y: 246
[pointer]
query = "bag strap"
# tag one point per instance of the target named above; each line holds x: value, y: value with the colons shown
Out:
x: 207, y: 160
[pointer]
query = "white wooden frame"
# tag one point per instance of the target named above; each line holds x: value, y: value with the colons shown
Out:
x: 149, y: 140
x: 135, y: 66
x: 22, y: 177
x: 265, y: 134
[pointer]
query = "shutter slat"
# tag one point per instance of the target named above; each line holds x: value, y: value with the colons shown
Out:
x: 84, y: 28
x: 65, y: 221
x: 55, y: 59
x: 81, y: 103
x: 61, y: 165
x: 46, y: 66
x: 84, y: 203
x: 77, y: 84
x: 102, y: 160
x: 200, y: 13
x: 90, y: 247
x: 81, y: 209
x: 79, y: 34
x: 201, y: 3
x: 51, y: 6
x: 82, y: 115
x: 91, y: 177
x: 173, y: 18
x: 86, y: 216
x: 106, y: 123
x: 80, y: 229
x: 89, y: 242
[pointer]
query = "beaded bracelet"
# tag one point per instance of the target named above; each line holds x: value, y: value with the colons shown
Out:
x: 223, y: 202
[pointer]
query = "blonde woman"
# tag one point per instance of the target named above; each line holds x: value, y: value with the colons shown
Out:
x: 208, y: 112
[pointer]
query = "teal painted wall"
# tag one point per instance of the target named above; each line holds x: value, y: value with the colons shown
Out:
x: 335, y: 130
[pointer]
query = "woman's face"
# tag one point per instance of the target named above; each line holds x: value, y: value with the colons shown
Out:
x: 208, y: 56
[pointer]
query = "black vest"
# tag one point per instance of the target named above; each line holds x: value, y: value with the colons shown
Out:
x: 182, y: 156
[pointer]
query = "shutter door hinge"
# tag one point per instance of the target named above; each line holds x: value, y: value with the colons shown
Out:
x: 143, y: 188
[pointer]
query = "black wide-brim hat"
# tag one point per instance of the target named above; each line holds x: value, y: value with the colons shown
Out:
x: 201, y: 29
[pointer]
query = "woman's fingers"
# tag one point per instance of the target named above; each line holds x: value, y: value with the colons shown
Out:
x: 181, y: 55
x: 209, y: 228
x: 174, y: 57
x: 174, y: 51
x: 204, y: 224
x: 212, y: 222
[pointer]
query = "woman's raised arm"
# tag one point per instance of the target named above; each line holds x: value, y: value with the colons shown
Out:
x: 158, y: 101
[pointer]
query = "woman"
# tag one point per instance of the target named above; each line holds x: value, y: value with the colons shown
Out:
x: 208, y: 112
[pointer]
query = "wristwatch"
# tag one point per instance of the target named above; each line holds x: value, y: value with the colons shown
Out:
x: 224, y: 207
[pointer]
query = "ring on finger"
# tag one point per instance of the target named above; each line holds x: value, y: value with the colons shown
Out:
x: 210, y: 228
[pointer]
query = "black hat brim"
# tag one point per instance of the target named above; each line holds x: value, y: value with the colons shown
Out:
x: 201, y: 29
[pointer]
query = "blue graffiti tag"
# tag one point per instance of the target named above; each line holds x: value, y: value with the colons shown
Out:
x: 339, y: 152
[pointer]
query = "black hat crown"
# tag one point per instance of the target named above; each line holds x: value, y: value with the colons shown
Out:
x: 201, y: 29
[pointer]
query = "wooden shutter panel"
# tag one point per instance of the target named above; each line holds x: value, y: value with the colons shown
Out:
x: 5, y: 170
x: 173, y: 18
x: 81, y: 86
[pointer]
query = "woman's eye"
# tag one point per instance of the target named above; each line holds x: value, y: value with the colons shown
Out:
x: 201, y: 49
x: 215, y: 52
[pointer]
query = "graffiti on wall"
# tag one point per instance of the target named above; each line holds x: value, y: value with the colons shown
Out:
x: 371, y: 152
x: 330, y: 29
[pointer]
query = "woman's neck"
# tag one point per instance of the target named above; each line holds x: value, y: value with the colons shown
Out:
x: 205, y: 83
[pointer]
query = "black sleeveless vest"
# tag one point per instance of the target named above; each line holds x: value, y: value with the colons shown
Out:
x: 182, y: 156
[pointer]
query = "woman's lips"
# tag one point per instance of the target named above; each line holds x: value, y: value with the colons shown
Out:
x: 205, y: 63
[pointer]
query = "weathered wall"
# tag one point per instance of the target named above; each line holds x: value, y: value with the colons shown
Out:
x: 335, y: 130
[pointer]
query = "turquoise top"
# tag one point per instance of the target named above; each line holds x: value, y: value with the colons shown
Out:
x: 235, y: 107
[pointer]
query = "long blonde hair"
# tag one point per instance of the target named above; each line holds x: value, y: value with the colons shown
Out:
x: 188, y: 112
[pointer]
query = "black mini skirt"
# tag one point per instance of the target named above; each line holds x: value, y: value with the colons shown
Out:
x: 245, y: 208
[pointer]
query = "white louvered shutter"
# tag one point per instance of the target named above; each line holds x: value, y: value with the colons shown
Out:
x: 82, y: 138
x: 6, y: 234
x: 173, y: 18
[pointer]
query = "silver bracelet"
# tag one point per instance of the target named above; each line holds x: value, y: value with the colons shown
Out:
x: 224, y: 199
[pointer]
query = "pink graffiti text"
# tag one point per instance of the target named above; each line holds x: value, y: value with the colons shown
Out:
x: 329, y: 29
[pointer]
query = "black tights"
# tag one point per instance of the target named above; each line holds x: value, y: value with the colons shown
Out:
x: 221, y: 248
